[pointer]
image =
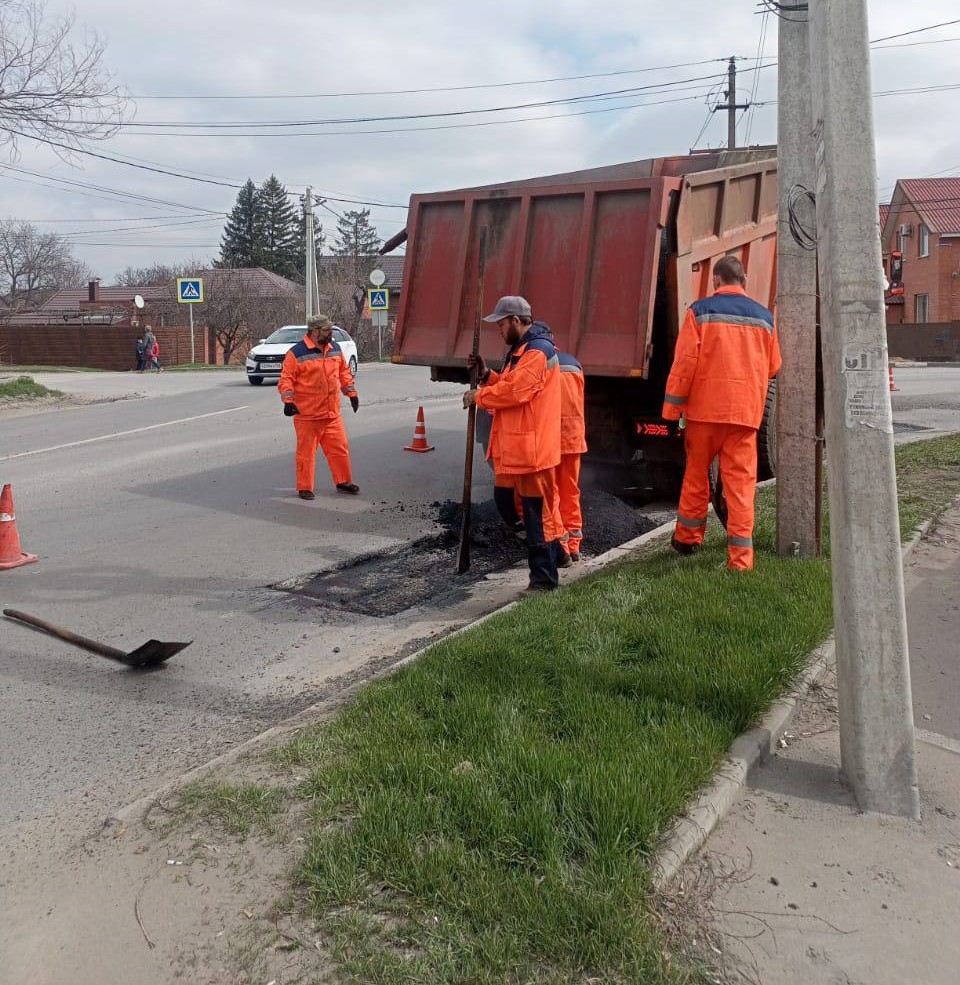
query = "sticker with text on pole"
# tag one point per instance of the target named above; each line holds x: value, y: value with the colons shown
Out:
x: 190, y: 290
x: 379, y: 300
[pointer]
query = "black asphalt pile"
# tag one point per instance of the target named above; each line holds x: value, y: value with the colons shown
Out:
x: 424, y: 571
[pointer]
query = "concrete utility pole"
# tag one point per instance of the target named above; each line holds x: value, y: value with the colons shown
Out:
x: 797, y: 473
x: 310, y: 275
x: 731, y: 105
x: 876, y: 714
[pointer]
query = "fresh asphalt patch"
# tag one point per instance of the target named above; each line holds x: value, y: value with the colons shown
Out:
x: 423, y: 572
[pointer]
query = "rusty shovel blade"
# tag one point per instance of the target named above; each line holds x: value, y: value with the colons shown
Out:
x: 150, y: 654
x: 153, y: 652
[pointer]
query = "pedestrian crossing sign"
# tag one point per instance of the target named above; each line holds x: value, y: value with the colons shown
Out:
x: 190, y: 290
x: 379, y: 299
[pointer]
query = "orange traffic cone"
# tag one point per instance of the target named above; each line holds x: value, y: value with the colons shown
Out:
x: 893, y: 386
x: 10, y: 554
x: 419, y: 436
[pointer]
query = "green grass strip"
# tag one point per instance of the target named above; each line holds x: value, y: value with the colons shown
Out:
x: 25, y: 387
x: 487, y: 814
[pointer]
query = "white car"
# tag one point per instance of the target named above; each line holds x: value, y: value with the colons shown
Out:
x: 266, y: 358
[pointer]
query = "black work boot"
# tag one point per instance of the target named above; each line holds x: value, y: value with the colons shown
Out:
x: 685, y: 549
x: 348, y: 487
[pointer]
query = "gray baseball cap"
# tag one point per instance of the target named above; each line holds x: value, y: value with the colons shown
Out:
x: 512, y: 304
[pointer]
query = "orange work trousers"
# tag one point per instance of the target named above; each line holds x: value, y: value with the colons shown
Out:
x: 568, y: 494
x: 737, y: 447
x: 330, y: 435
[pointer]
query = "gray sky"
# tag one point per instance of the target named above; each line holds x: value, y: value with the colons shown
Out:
x: 288, y: 48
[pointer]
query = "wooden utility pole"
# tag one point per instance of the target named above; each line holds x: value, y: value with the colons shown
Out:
x: 876, y: 714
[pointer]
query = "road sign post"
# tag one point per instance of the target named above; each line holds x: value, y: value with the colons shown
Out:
x: 378, y: 300
x: 190, y: 292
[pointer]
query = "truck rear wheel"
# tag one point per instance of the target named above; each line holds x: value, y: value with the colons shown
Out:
x: 767, y: 436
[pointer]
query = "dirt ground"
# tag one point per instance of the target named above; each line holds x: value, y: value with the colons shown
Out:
x: 168, y: 899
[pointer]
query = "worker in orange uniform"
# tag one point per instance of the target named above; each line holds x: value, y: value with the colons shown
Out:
x: 726, y: 354
x: 314, y: 375
x: 525, y: 436
x: 573, y: 443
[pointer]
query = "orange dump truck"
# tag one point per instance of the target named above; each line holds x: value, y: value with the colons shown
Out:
x: 610, y: 258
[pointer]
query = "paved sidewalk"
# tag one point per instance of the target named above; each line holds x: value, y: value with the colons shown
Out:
x: 804, y: 889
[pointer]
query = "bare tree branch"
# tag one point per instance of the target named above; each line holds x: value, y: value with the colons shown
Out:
x: 50, y: 87
x: 34, y: 264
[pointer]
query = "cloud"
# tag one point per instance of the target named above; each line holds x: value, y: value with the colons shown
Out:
x: 296, y: 48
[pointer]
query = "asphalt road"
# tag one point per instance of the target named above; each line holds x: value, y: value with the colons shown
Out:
x: 170, y: 516
x: 169, y: 511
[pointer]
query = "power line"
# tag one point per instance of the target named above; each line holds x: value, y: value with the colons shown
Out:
x: 447, y: 126
x: 116, y: 160
x: 918, y: 30
x: 462, y: 88
x: 137, y: 229
x: 398, y: 117
x: 117, y: 193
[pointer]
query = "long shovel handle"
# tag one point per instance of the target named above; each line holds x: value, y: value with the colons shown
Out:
x: 463, y: 554
x: 64, y: 634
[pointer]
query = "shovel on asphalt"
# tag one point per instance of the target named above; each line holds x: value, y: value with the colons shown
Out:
x: 150, y: 654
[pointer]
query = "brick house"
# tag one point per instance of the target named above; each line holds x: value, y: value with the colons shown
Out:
x: 921, y: 224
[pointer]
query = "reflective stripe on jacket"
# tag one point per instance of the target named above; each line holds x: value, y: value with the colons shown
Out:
x: 525, y: 396
x: 573, y: 431
x: 313, y: 379
x: 726, y: 353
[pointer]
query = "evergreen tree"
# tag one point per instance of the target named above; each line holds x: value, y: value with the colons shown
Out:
x: 282, y: 239
x: 243, y: 241
x: 357, y: 239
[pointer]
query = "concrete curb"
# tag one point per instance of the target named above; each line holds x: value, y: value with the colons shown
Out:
x: 689, y: 833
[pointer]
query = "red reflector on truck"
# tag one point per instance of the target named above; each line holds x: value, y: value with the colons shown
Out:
x: 654, y: 430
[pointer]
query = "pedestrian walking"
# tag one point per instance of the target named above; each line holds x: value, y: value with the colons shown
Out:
x: 140, y: 352
x: 149, y: 340
x: 313, y: 376
x: 155, y: 357
x: 525, y: 435
x: 726, y: 354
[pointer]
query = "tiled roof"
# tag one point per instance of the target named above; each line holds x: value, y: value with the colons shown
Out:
x: 255, y: 279
x: 937, y: 200
x: 884, y: 212
x: 392, y: 266
x: 69, y: 298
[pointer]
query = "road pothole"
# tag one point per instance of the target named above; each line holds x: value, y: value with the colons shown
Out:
x: 423, y: 572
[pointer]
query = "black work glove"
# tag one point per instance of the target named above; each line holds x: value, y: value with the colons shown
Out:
x: 355, y: 404
x: 290, y: 409
x: 477, y: 363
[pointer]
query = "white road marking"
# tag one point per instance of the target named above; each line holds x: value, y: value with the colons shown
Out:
x: 121, y: 434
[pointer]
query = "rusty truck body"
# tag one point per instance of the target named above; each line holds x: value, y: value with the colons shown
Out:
x: 610, y: 258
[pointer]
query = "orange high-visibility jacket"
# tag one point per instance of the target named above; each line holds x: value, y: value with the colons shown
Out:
x: 525, y: 396
x: 573, y: 430
x: 727, y: 352
x: 313, y: 379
